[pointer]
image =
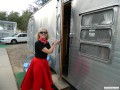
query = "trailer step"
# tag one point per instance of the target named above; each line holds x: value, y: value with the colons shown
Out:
x: 59, y: 83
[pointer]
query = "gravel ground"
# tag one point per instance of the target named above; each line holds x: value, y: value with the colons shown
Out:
x: 17, y: 54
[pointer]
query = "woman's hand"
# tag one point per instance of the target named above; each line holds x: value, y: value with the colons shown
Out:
x: 49, y: 51
x: 56, y: 42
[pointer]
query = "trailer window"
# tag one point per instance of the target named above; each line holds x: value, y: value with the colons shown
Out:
x: 96, y: 35
x: 98, y: 18
x: 95, y: 51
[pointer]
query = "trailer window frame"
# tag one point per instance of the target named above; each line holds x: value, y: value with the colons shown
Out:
x: 107, y: 45
x: 105, y: 19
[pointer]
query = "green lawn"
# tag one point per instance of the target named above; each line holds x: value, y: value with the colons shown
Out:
x: 3, y: 46
x: 19, y: 78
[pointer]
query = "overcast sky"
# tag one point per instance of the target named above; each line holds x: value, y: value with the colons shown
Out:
x: 15, y: 5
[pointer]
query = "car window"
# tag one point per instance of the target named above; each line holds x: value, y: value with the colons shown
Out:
x: 14, y: 35
x: 22, y: 35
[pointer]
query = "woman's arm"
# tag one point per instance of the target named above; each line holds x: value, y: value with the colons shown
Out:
x: 49, y: 51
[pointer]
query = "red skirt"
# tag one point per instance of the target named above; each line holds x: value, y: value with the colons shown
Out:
x: 37, y: 76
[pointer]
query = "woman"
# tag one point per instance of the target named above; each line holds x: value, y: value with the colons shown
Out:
x: 38, y: 75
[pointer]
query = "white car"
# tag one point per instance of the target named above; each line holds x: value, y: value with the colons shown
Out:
x: 20, y: 37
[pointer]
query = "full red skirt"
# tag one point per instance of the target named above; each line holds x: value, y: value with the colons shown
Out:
x: 37, y: 76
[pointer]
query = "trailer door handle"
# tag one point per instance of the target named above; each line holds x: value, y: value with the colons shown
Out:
x: 71, y: 34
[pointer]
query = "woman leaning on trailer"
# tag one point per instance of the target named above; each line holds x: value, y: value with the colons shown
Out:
x: 38, y: 75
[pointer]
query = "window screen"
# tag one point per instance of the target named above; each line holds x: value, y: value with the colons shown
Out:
x: 98, y: 18
x: 94, y: 50
x: 96, y: 35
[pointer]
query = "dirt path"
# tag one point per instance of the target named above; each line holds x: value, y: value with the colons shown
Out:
x: 17, y: 54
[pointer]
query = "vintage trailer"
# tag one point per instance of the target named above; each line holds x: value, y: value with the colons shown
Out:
x: 88, y: 56
x: 7, y: 28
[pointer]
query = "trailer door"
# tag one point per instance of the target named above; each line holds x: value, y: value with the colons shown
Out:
x: 59, y: 28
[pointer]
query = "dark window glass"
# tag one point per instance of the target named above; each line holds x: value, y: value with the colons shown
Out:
x: 22, y: 35
x: 96, y: 35
x: 95, y: 51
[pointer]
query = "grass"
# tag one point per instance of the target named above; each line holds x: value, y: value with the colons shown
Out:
x: 19, y: 78
x: 3, y: 46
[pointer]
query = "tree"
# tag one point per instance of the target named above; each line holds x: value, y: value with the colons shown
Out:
x: 13, y: 16
x: 23, y: 22
x: 3, y: 16
x: 41, y: 2
x: 32, y: 8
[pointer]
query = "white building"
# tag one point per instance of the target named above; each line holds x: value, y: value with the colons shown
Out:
x: 7, y: 28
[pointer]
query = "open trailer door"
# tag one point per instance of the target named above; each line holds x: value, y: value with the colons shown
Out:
x: 59, y: 28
